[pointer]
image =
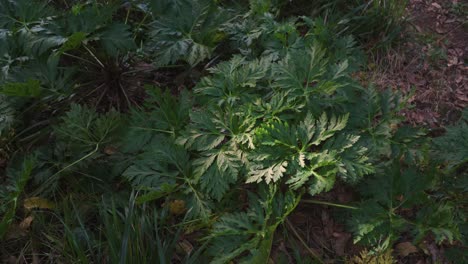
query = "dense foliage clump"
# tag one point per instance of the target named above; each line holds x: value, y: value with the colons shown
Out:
x: 263, y: 112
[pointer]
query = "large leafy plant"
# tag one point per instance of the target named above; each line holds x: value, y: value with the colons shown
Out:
x: 388, y: 209
x: 262, y: 122
x: 230, y: 157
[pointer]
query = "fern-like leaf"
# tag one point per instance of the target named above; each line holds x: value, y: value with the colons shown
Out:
x: 251, y: 232
x: 187, y: 30
x: 234, y: 82
x: 117, y: 38
x: 297, y: 151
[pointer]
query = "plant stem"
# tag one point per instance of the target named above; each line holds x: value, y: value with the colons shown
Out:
x: 330, y: 204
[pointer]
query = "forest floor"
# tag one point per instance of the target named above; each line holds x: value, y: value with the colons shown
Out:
x: 430, y: 64
x: 430, y: 67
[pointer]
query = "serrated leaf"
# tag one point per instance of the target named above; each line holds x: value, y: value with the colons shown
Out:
x: 151, y: 175
x: 185, y: 31
x: 439, y: 219
x: 38, y: 39
x: 231, y: 82
x: 217, y: 171
x: 251, y: 233
x: 301, y: 73
x: 269, y: 174
x: 321, y: 184
x: 117, y: 38
x: 215, y: 182
x: 319, y: 174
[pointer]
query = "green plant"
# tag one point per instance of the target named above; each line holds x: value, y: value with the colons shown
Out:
x: 138, y: 170
x: 388, y: 209
x: 450, y: 151
x: 12, y: 190
x: 125, y: 232
x: 252, y: 231
x: 376, y: 24
x: 456, y: 142
x: 459, y: 8
x: 184, y: 30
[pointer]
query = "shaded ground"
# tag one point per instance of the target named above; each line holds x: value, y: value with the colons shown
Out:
x: 431, y: 63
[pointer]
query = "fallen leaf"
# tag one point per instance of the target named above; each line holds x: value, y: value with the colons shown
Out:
x: 436, y: 5
x: 452, y: 61
x: 405, y: 248
x: 440, y: 30
x: 37, y: 202
x: 26, y: 223
x: 110, y: 150
x: 177, y: 207
x: 400, y: 197
x: 186, y: 246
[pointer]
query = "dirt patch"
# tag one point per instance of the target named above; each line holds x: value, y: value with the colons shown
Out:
x: 431, y: 65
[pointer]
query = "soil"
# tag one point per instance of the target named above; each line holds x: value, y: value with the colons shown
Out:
x: 430, y: 66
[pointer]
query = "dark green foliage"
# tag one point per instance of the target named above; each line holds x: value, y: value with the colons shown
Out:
x: 390, y: 206
x: 162, y: 113
x: 83, y: 128
x: 185, y: 30
x: 456, y: 141
x: 12, y: 190
x: 251, y: 231
x: 136, y: 170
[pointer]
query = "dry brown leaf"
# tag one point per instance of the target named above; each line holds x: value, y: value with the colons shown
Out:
x: 186, y: 246
x: 110, y: 150
x: 38, y: 202
x: 436, y: 5
x: 26, y: 223
x: 405, y: 248
x: 440, y: 30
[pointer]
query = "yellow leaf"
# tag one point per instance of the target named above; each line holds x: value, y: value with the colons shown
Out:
x: 37, y: 202
x: 177, y: 207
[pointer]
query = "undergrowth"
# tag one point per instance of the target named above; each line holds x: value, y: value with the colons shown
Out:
x: 106, y: 167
